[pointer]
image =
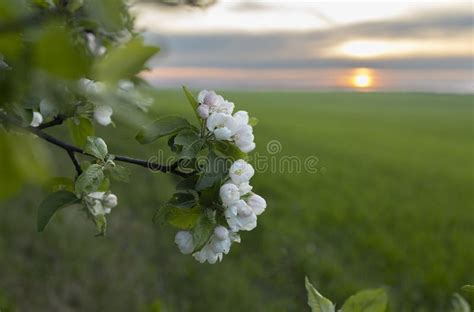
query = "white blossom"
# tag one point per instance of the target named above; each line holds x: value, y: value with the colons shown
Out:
x: 241, y: 172
x: 184, y: 240
x: 257, y: 203
x: 203, y: 111
x: 224, y: 107
x: 244, y: 139
x: 103, y: 114
x: 244, y: 188
x: 210, y: 98
x: 101, y: 203
x: 229, y: 193
x: 36, y: 120
x: 207, y: 254
x: 91, y: 87
x: 240, y: 217
x: 223, y: 126
x: 242, y: 117
x: 218, y: 244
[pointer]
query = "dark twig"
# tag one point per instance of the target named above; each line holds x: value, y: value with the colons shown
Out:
x: 55, y: 122
x: 173, y: 168
x: 75, y: 162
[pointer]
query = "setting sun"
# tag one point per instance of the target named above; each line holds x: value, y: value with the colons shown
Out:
x: 362, y: 78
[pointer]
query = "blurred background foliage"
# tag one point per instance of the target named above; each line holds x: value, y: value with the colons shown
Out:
x: 391, y: 204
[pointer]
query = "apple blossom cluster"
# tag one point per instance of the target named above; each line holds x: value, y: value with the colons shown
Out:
x: 217, y: 113
x: 241, y: 207
x: 100, y: 203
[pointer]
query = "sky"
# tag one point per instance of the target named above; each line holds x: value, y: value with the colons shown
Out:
x: 313, y: 45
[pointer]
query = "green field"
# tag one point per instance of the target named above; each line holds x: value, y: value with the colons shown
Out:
x: 391, y: 205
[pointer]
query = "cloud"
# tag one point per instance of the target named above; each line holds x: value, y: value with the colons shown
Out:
x: 308, y: 50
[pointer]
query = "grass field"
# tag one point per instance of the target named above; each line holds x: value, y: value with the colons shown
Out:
x: 391, y: 205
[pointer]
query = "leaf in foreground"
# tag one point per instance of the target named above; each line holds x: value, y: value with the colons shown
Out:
x: 316, y: 301
x: 371, y: 300
x: 53, y: 203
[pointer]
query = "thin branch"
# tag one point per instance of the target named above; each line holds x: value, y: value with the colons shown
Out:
x: 75, y: 162
x: 55, y: 122
x: 173, y: 168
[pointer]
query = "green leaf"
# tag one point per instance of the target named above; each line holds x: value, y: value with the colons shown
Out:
x: 101, y: 224
x: 230, y: 150
x: 215, y: 169
x: 192, y: 100
x: 161, y: 215
x: 183, y: 200
x: 253, y: 121
x: 74, y: 5
x: 125, y: 61
x: 79, y: 129
x: 203, y: 229
x: 96, y: 147
x: 59, y: 184
x: 56, y: 54
x: 90, y: 180
x: 104, y: 186
x: 459, y: 304
x: 316, y: 301
x: 160, y: 128
x: 184, y: 218
x: 190, y: 143
x: 372, y: 300
x: 187, y: 184
x: 53, y: 203
x: 120, y: 173
x: 468, y: 288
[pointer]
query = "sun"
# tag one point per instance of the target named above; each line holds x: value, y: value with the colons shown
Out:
x: 362, y: 78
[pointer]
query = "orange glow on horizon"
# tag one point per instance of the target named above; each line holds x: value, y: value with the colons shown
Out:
x: 362, y: 78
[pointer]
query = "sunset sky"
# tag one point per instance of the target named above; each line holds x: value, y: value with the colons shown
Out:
x: 374, y: 45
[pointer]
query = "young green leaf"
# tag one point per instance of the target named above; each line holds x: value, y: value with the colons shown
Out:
x: 120, y: 173
x: 372, y: 300
x: 253, y: 121
x: 203, y: 229
x: 160, y: 128
x: 101, y: 223
x: 230, y: 150
x: 80, y: 128
x: 192, y: 100
x: 316, y: 301
x: 53, y: 203
x: 459, y: 304
x: 184, y: 218
x: 125, y: 61
x: 96, y: 147
x: 90, y: 180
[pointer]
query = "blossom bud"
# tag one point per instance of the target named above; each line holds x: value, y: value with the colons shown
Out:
x: 221, y: 233
x: 257, y: 203
x: 229, y: 193
x: 184, y: 240
x: 102, y: 114
x: 203, y: 111
x: 36, y: 120
x: 241, y: 172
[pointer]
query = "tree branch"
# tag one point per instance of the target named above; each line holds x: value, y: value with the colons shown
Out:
x: 75, y: 162
x: 71, y: 149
